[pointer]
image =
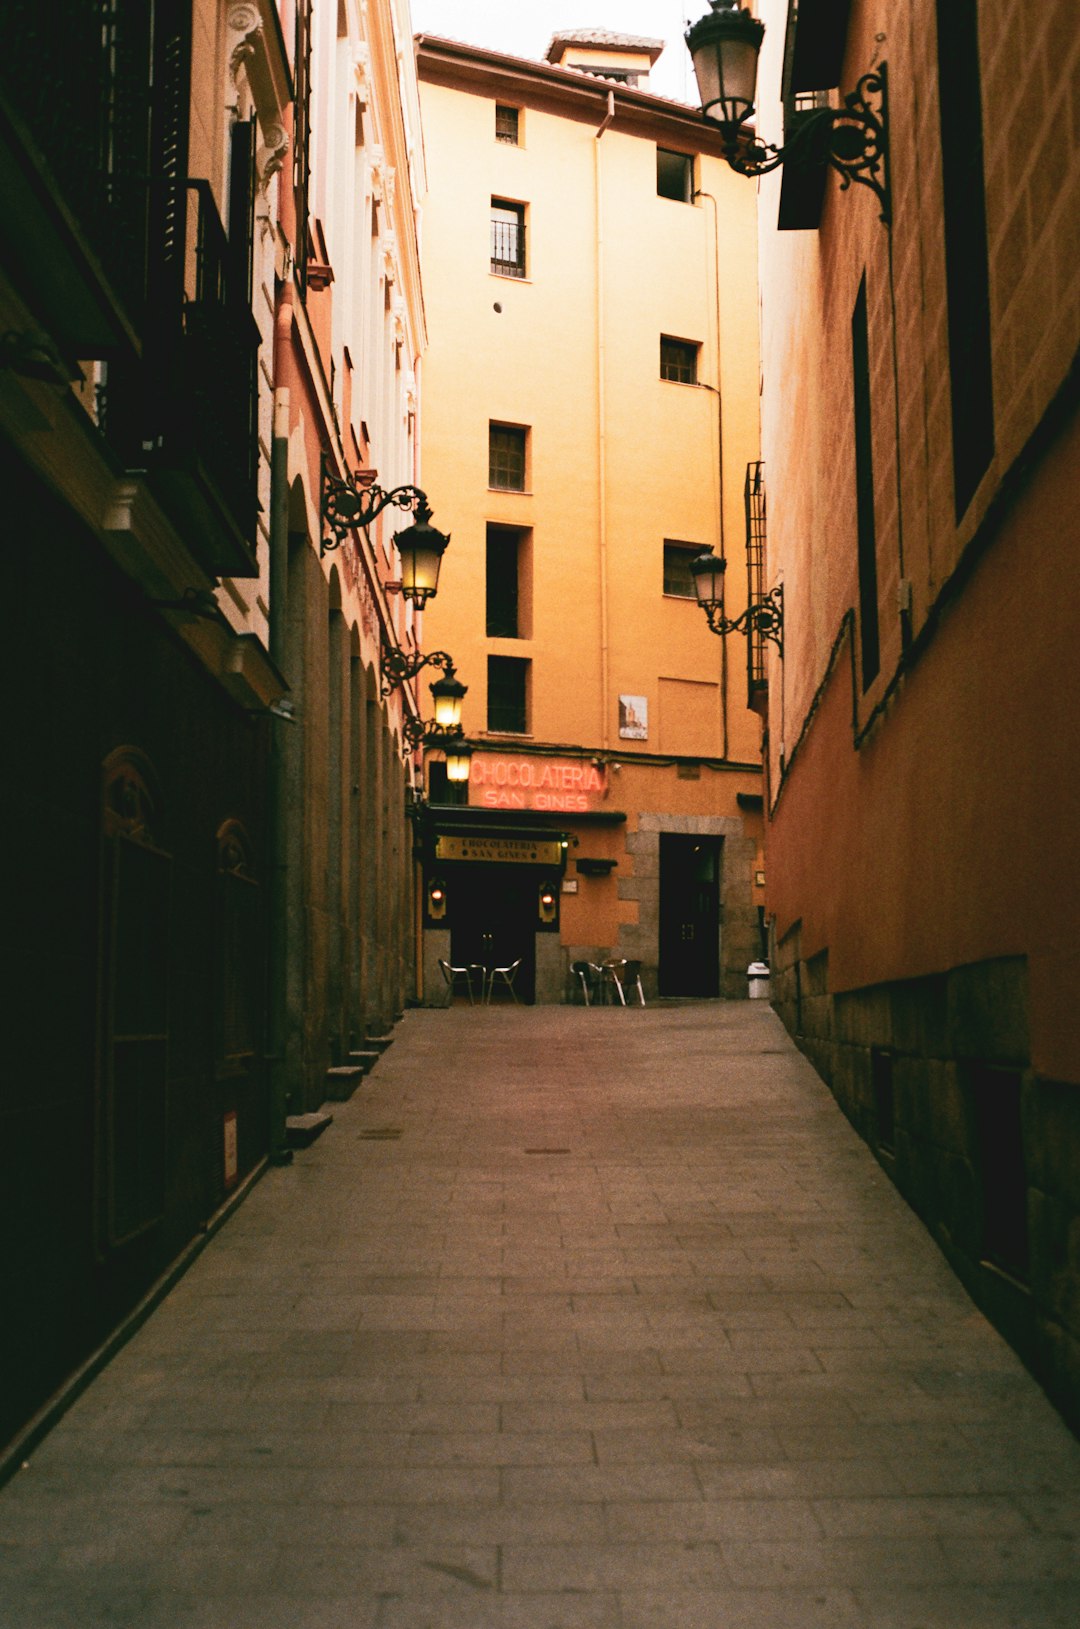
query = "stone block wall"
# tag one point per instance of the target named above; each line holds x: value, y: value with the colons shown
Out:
x: 934, y: 1074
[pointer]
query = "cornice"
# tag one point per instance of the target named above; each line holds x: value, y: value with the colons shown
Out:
x: 562, y: 91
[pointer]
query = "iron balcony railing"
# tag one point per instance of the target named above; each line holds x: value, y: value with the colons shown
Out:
x: 508, y: 248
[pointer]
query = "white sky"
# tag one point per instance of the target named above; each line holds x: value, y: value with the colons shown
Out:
x: 523, y: 28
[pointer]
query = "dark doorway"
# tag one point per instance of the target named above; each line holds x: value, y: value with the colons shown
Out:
x: 689, y: 915
x: 493, y: 921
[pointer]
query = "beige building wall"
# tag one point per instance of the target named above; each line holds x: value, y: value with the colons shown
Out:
x: 618, y: 459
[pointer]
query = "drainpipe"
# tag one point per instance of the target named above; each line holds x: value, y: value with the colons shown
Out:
x: 601, y: 430
x: 722, y: 550
x: 279, y: 828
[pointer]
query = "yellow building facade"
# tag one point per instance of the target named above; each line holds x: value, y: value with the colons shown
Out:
x: 589, y: 415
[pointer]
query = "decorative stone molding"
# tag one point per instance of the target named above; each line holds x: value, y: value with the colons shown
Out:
x: 361, y: 73
x: 271, y: 154
x: 378, y: 176
x: 389, y: 257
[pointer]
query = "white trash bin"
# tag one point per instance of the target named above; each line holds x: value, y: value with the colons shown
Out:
x: 758, y: 975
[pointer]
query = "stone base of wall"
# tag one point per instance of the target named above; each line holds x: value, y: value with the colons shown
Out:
x: 934, y: 1074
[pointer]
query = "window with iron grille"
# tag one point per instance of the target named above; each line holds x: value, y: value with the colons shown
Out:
x: 508, y: 695
x: 507, y: 124
x: 674, y: 175
x: 507, y: 238
x: 506, y: 457
x: 678, y: 360
x: 678, y: 578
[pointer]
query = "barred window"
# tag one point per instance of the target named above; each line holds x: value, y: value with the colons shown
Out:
x: 507, y: 124
x: 678, y: 578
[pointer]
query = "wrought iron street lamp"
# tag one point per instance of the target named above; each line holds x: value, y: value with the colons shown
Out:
x: 357, y: 501
x: 853, y: 139
x: 765, y: 617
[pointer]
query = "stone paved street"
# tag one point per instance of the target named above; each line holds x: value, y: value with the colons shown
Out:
x: 572, y: 1320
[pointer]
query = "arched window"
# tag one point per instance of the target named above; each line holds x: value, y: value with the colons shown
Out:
x: 239, y: 939
x: 132, y: 1094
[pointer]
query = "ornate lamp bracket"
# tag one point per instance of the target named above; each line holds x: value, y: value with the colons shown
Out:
x: 356, y: 501
x: 419, y: 732
x: 764, y: 618
x: 853, y: 140
x: 397, y: 668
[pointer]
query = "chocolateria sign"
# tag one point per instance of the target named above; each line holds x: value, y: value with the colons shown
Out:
x: 503, y: 780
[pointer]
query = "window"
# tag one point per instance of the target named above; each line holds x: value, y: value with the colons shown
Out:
x: 507, y: 124
x: 866, y: 532
x: 503, y: 582
x: 507, y: 238
x: 506, y: 457
x: 967, y: 272
x: 508, y: 701
x: 674, y: 175
x: 678, y: 360
x: 678, y: 578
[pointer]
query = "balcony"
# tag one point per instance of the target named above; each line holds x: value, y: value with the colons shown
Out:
x: 75, y: 153
x: 185, y: 418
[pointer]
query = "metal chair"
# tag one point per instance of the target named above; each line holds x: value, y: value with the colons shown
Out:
x: 507, y: 975
x: 451, y: 973
x: 584, y: 971
x: 628, y: 977
x: 610, y: 978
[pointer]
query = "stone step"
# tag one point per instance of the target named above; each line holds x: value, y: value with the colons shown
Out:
x: 379, y: 1042
x: 365, y: 1057
x: 342, y: 1081
x: 301, y: 1130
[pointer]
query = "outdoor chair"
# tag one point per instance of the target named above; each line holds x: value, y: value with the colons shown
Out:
x: 506, y: 975
x: 611, y: 979
x: 451, y: 974
x: 584, y: 971
x: 628, y: 977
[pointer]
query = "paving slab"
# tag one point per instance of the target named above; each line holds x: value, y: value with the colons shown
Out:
x: 622, y: 1329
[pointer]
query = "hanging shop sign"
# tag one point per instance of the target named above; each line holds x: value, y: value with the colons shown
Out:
x: 502, y: 780
x: 491, y: 848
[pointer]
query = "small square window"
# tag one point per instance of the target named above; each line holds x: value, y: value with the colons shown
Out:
x: 507, y: 124
x: 678, y: 360
x: 508, y: 695
x: 678, y: 578
x: 674, y: 175
x: 506, y: 457
x: 507, y: 238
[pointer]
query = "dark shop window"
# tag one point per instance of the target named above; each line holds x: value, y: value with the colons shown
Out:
x: 678, y: 360
x: 508, y: 702
x: 502, y: 582
x: 995, y: 1095
x: 870, y: 640
x: 506, y: 457
x: 967, y: 271
x: 881, y: 1081
x: 674, y: 175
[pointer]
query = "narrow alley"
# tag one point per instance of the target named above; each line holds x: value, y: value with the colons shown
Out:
x: 573, y: 1319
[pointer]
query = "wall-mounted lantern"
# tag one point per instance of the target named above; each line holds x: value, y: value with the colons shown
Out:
x: 724, y: 46
x: 436, y: 899
x: 357, y: 501
x: 765, y: 617
x: 548, y: 903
